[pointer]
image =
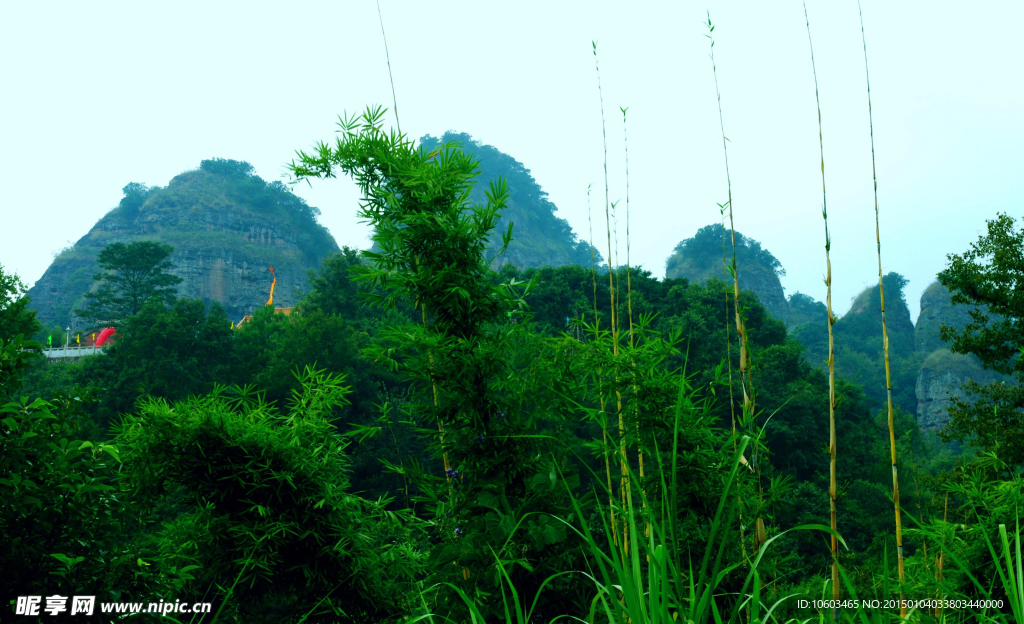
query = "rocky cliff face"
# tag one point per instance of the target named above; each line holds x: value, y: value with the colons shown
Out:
x: 863, y: 323
x: 943, y: 372
x: 937, y: 309
x: 227, y: 227
x: 941, y: 377
x: 699, y: 259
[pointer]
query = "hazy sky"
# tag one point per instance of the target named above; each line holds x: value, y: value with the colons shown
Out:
x: 98, y: 95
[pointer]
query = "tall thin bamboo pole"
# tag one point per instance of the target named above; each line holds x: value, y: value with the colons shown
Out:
x: 885, y: 332
x: 387, y: 55
x: 629, y: 308
x: 600, y: 386
x: 433, y: 383
x: 741, y: 332
x: 623, y: 458
x: 732, y: 400
x: 831, y: 343
x: 728, y: 337
x: 740, y: 328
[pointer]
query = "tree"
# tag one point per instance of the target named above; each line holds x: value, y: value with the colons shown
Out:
x: 133, y: 274
x: 15, y: 317
x: 167, y: 353
x: 332, y: 290
x: 135, y: 195
x: 990, y: 276
x: 468, y: 367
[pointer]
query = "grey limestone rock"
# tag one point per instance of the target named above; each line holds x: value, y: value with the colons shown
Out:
x: 227, y: 227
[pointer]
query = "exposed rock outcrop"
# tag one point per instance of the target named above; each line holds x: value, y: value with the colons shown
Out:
x: 699, y: 259
x: 227, y: 226
x: 941, y: 377
x: 943, y: 372
x: 937, y: 309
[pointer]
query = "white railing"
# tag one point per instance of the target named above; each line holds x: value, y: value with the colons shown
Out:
x: 68, y: 351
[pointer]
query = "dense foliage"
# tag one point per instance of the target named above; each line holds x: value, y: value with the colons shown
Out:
x: 990, y: 277
x: 15, y: 316
x: 858, y: 342
x: 262, y: 498
x: 426, y: 436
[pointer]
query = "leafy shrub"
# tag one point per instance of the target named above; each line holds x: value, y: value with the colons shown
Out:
x: 64, y: 526
x: 262, y: 499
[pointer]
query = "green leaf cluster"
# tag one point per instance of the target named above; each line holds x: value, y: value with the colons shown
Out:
x: 263, y: 499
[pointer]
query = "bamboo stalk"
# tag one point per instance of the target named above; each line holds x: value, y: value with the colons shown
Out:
x: 600, y: 391
x: 629, y: 308
x: 728, y: 335
x: 740, y: 327
x: 629, y: 281
x: 732, y: 400
x: 745, y: 382
x: 394, y: 102
x: 885, y: 334
x: 623, y: 458
x: 387, y: 55
x: 625, y: 484
x: 433, y: 383
x: 831, y: 343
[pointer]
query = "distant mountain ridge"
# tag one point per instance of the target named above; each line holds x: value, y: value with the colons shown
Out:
x: 925, y: 374
x: 227, y: 227
x: 857, y: 336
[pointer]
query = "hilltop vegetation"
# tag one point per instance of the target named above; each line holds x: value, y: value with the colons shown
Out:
x: 705, y: 255
x: 226, y: 225
x: 858, y: 344
x: 541, y: 238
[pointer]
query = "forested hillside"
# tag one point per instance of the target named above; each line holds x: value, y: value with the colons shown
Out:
x: 858, y: 344
x: 426, y: 431
x: 706, y: 254
x: 227, y: 227
x: 541, y: 238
